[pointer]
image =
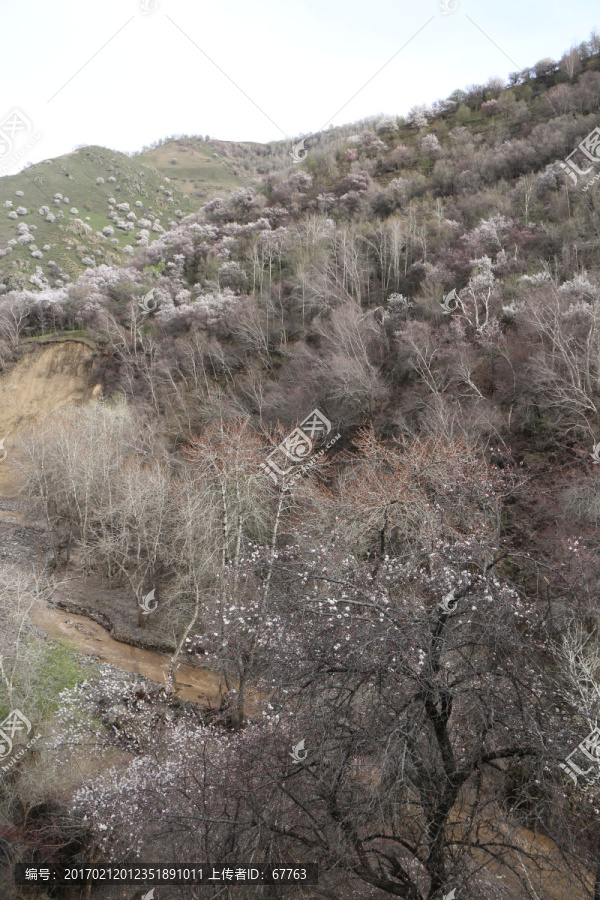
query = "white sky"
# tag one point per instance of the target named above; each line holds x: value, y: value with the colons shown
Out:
x: 107, y: 73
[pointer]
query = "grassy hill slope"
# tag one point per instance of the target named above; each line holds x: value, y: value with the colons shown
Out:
x: 196, y: 167
x: 66, y: 202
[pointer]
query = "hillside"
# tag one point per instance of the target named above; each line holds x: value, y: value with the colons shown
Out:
x: 329, y: 436
x: 68, y: 202
x: 202, y: 169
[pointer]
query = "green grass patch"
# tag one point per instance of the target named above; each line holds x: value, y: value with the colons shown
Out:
x: 73, y: 334
x: 75, y: 175
x: 59, y: 670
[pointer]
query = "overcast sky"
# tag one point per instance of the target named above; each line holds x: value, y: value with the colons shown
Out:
x: 111, y: 73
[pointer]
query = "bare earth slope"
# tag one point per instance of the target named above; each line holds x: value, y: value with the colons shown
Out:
x: 45, y: 379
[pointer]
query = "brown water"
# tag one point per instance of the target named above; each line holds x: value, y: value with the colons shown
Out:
x: 47, y: 378
x: 88, y: 637
x: 58, y: 375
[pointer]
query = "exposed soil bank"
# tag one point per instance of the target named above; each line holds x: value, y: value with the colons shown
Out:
x: 44, y: 379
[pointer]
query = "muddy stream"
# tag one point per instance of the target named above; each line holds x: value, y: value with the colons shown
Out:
x: 88, y: 637
x: 46, y: 378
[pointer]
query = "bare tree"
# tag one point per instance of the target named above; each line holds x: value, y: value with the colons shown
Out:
x: 71, y: 462
x: 245, y: 510
x: 565, y: 369
x: 20, y: 649
x: 352, y: 339
x: 422, y: 747
x: 134, y: 534
x: 13, y: 318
